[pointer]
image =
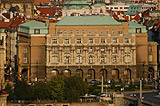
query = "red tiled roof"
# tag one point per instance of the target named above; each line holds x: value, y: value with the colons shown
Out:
x: 157, y: 25
x: 137, y: 17
x: 41, y: 1
x: 44, y: 11
x: 6, y: 15
x: 5, y: 24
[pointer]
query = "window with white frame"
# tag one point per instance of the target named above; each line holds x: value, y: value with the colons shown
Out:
x: 66, y: 41
x: 54, y: 41
x: 90, y: 50
x: 24, y: 59
x: 138, y: 30
x: 79, y: 50
x: 71, y: 31
x: 103, y: 40
x: 107, y: 31
x: 126, y: 40
x: 103, y: 50
x: 89, y: 31
x: 54, y: 50
x: 150, y: 49
x: 95, y: 31
x: 66, y: 50
x: 115, y: 49
x: 150, y: 57
x: 113, y: 31
x: 115, y: 40
x: 65, y: 31
x: 77, y: 31
x: 67, y: 60
x: 119, y: 32
x: 79, y: 60
x: 90, y: 40
x: 102, y: 60
x: 83, y: 31
x: 24, y: 49
x: 36, y: 31
x: 59, y: 32
x: 101, y: 31
x: 79, y: 41
x: 54, y: 59
x: 127, y: 59
x: 91, y: 59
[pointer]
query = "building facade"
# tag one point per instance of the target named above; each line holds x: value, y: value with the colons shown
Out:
x: 89, y: 46
x: 92, y: 46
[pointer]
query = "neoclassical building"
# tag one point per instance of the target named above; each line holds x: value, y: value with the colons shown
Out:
x: 89, y: 46
x: 92, y: 46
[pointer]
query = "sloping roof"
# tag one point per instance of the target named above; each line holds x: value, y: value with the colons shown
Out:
x: 5, y: 24
x: 77, y: 2
x: 33, y: 23
x: 133, y: 24
x: 99, y: 4
x: 41, y: 1
x: 87, y: 20
x: 20, y: 1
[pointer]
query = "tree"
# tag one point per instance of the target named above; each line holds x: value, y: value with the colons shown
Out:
x: 94, y: 89
x: 10, y: 91
x: 74, y: 88
x: 56, y: 88
x: 40, y: 90
x: 22, y: 90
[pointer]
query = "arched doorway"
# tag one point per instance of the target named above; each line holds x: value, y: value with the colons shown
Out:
x: 150, y: 73
x: 127, y: 74
x: 91, y: 74
x: 55, y: 72
x: 80, y: 72
x: 67, y: 73
x: 115, y: 74
x: 104, y: 74
x: 24, y: 74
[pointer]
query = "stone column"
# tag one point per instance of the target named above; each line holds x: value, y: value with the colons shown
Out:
x: 3, y: 98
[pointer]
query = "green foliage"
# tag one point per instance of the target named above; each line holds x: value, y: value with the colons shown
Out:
x: 40, y: 90
x: 94, y: 90
x: 74, y: 88
x: 22, y: 90
x: 10, y: 90
x: 56, y: 88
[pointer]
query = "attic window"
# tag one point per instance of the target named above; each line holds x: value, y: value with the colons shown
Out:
x: 36, y: 31
x: 138, y: 30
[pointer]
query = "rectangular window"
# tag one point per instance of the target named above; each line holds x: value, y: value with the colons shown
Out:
x: 79, y: 50
x: 89, y: 31
x: 107, y: 31
x: 77, y: 31
x: 114, y: 59
x: 36, y: 31
x: 83, y: 31
x: 67, y: 60
x: 138, y: 30
x: 115, y: 7
x: 125, y: 7
x: 91, y: 40
x: 103, y: 40
x: 119, y: 32
x: 115, y: 40
x: 24, y: 49
x: 102, y: 60
x: 79, y: 41
x: 103, y: 50
x: 95, y: 31
x: 65, y: 31
x: 59, y: 32
x: 101, y: 31
x: 150, y: 49
x: 126, y: 40
x: 79, y: 59
x: 71, y: 31
x: 54, y: 50
x: 91, y: 59
x: 121, y: 7
x: 66, y: 41
x: 113, y: 31
x: 90, y: 50
x: 54, y: 60
x: 115, y: 49
x: 25, y: 59
x: 54, y: 41
x: 150, y: 58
